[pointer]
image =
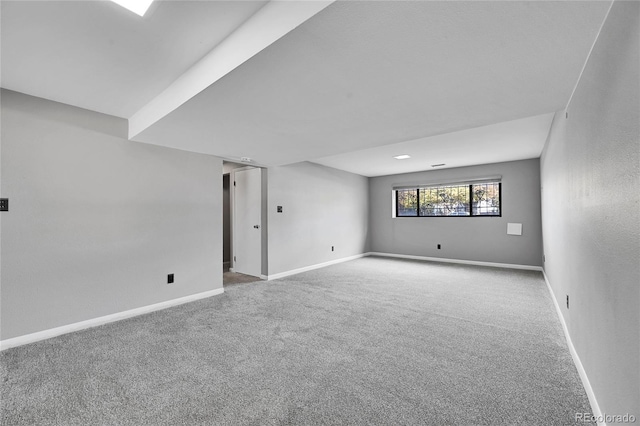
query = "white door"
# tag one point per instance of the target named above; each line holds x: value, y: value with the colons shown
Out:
x: 247, y: 224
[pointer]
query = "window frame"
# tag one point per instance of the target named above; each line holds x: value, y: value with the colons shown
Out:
x: 469, y: 185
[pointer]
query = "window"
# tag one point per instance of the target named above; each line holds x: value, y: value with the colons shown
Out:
x: 474, y: 199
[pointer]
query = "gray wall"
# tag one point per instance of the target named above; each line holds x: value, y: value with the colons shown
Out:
x: 97, y: 222
x: 466, y: 238
x: 322, y: 207
x: 590, y: 171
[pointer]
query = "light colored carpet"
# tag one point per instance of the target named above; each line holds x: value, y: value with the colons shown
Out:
x: 372, y: 341
x: 231, y: 278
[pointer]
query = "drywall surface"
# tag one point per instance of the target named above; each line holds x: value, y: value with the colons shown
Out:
x: 96, y: 221
x: 228, y: 166
x: 590, y: 172
x: 482, y: 239
x: 321, y: 207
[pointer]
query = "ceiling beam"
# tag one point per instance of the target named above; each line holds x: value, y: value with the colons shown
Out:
x: 269, y: 24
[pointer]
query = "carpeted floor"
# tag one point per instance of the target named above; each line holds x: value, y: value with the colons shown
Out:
x: 371, y: 341
x: 232, y: 278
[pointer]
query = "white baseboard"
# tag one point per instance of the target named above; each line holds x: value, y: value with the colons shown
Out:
x: 70, y: 328
x: 400, y: 256
x: 465, y: 262
x: 576, y: 359
x: 316, y: 266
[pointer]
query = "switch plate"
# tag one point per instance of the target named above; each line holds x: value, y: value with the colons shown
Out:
x: 4, y: 204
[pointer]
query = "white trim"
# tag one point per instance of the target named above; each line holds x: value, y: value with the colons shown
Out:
x: 243, y: 169
x: 70, y: 328
x: 576, y: 359
x: 401, y: 256
x: 316, y: 266
x: 234, y: 212
x: 466, y: 262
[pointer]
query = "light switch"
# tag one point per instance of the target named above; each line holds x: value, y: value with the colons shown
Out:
x: 514, y: 229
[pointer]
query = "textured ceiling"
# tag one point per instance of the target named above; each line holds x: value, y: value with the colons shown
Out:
x: 365, y: 74
x: 98, y: 56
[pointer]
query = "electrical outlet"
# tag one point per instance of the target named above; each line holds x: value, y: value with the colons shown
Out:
x: 567, y: 301
x: 170, y: 279
x: 439, y: 247
x: 4, y: 204
x: 331, y: 248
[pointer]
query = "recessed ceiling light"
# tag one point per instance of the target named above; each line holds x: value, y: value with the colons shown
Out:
x: 138, y: 7
x: 402, y: 157
x: 438, y: 165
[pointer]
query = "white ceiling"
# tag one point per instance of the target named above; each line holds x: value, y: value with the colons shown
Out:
x: 99, y: 56
x: 508, y: 141
x: 348, y: 88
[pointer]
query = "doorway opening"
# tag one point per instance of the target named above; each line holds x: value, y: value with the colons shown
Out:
x: 243, y: 223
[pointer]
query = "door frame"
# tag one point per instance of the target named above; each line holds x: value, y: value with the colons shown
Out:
x: 263, y: 221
